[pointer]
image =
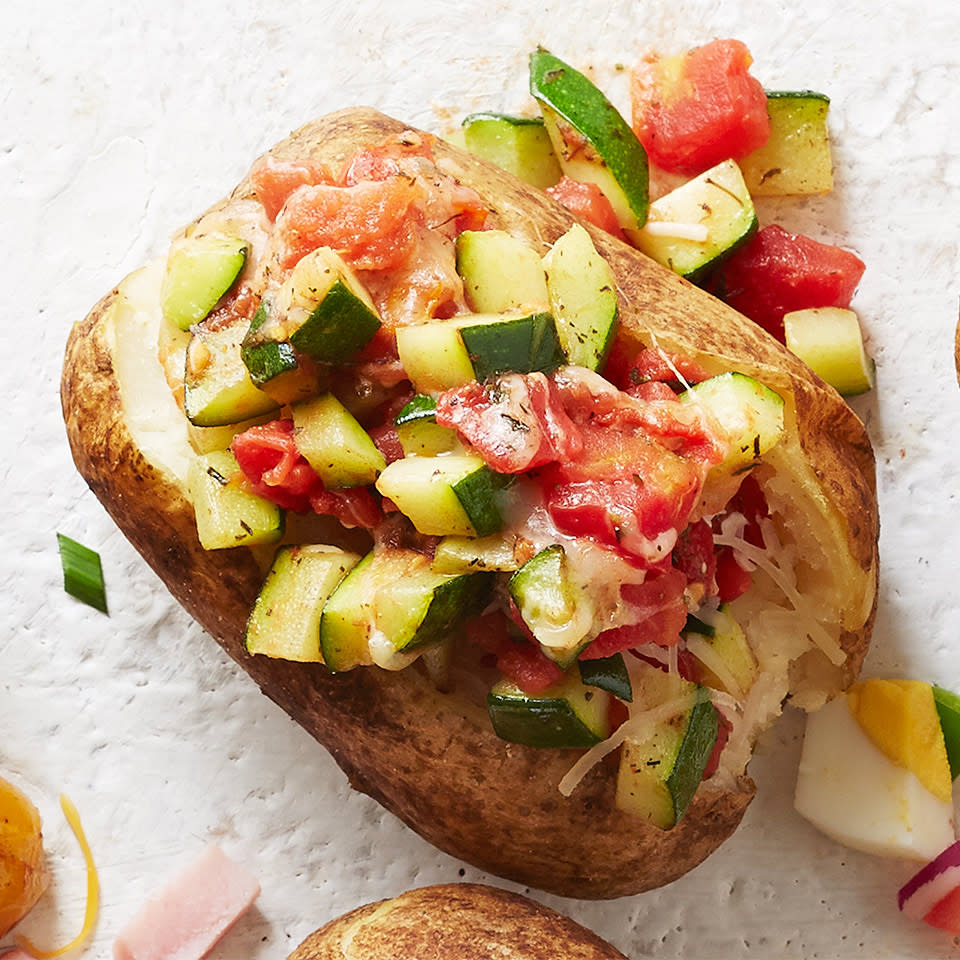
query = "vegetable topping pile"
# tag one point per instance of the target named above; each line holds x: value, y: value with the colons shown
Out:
x: 364, y: 344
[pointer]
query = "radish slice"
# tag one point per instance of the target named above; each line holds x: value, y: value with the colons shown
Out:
x: 931, y: 884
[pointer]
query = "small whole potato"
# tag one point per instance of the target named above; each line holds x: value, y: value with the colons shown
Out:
x: 23, y: 870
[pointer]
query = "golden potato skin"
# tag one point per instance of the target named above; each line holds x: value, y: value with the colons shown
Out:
x: 455, y: 921
x: 427, y: 756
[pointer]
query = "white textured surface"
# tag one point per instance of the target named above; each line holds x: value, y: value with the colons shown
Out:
x: 118, y: 123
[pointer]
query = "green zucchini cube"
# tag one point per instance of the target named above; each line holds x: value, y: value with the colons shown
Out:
x: 519, y: 145
x: 566, y: 715
x: 227, y: 514
x: 201, y: 268
x: 285, y: 620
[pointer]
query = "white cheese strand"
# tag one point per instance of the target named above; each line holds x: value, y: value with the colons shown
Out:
x: 697, y: 232
x: 637, y: 727
x: 760, y: 558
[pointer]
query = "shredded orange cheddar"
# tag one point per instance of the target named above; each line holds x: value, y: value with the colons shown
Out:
x: 93, y: 889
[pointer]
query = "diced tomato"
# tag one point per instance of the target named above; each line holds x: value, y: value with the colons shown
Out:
x: 777, y: 272
x: 751, y: 502
x: 490, y: 632
x: 696, y: 110
x: 694, y: 556
x: 628, y: 367
x: 387, y: 441
x: 448, y: 205
x: 587, y: 201
x: 732, y: 580
x: 526, y: 665
x: 383, y: 160
x: 521, y: 661
x: 678, y: 427
x: 274, y: 180
x: 516, y: 423
x: 239, y: 304
x: 661, y: 614
x: 639, y: 473
x: 274, y: 469
x: 371, y: 224
x: 723, y: 735
x: 619, y: 713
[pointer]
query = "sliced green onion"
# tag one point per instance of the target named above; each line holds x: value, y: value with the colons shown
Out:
x: 82, y: 573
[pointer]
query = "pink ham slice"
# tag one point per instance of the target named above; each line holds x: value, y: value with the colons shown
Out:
x: 192, y: 913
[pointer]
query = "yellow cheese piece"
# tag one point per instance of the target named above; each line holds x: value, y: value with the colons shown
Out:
x: 900, y: 718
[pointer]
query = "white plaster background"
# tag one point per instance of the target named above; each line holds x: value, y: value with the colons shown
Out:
x: 121, y: 121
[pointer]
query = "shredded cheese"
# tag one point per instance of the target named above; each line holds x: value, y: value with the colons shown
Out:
x: 697, y: 232
x: 93, y: 889
x: 761, y: 559
x: 638, y: 727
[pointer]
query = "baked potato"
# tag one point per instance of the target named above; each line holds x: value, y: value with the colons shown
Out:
x: 426, y: 751
x: 459, y: 921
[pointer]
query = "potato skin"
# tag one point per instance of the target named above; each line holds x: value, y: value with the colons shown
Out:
x: 455, y: 921
x: 429, y: 757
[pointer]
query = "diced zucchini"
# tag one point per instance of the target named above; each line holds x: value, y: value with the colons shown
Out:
x: 521, y: 344
x: 583, y: 298
x: 393, y: 596
x: 443, y: 354
x: 334, y: 444
x: 500, y: 272
x: 206, y: 439
x: 227, y: 514
x: 750, y: 413
x: 724, y: 653
x: 201, y: 268
x: 608, y: 673
x: 453, y: 494
x: 347, y: 617
x: 567, y: 714
x: 422, y: 606
x: 661, y: 771
x: 463, y: 554
x: 659, y: 775
x: 829, y: 341
x: 285, y: 620
x: 592, y: 141
x: 519, y: 145
x: 716, y: 203
x: 433, y: 356
x: 796, y: 157
x: 275, y: 366
x: 558, y: 612
x: 418, y: 431
x: 948, y: 710
x: 322, y: 309
x: 217, y: 385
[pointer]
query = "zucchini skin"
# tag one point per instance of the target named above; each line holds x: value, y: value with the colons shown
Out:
x: 395, y: 736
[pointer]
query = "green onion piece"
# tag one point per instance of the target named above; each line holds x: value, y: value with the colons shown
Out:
x: 82, y: 573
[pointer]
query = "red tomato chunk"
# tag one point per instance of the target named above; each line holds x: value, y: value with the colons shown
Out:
x: 777, y: 272
x: 694, y: 111
x: 274, y: 469
x: 587, y: 201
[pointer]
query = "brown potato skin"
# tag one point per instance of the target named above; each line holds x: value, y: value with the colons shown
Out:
x: 455, y: 921
x: 427, y: 756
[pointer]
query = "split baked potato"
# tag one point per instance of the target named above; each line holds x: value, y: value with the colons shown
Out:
x: 428, y: 754
x: 459, y: 921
